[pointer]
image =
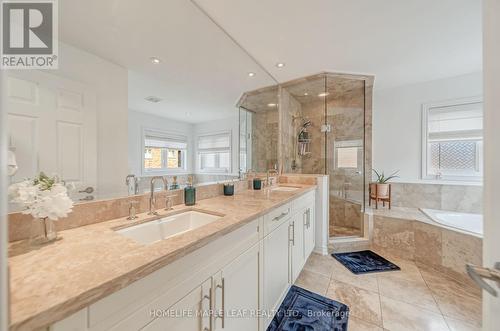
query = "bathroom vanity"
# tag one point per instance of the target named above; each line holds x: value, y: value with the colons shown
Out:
x: 239, y: 264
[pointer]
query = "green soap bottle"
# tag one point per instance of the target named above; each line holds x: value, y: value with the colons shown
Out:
x: 190, y: 193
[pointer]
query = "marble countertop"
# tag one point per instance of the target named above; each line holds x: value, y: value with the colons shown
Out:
x: 89, y: 263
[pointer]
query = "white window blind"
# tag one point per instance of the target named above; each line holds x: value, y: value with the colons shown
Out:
x: 214, y: 152
x: 164, y: 153
x: 453, y: 140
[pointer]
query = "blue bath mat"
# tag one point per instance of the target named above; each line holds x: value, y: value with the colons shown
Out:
x: 364, y: 262
x: 304, y: 310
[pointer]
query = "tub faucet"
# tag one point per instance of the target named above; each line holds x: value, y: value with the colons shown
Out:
x: 152, y: 199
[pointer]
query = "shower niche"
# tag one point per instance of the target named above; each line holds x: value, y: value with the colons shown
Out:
x: 319, y: 124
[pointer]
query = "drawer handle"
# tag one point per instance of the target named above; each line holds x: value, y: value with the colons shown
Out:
x: 283, y: 214
x: 210, y: 307
x: 222, y: 317
x: 292, y: 226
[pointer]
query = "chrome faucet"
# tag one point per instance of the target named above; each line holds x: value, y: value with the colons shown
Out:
x: 268, y: 177
x: 152, y: 199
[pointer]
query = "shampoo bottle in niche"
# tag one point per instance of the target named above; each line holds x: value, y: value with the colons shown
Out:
x: 189, y: 193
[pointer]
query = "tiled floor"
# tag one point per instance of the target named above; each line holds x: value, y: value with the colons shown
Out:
x: 414, y: 298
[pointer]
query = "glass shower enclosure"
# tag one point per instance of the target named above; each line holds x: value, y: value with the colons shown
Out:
x: 319, y: 124
x: 330, y: 130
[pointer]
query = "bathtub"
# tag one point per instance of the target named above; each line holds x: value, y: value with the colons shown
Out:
x: 470, y: 223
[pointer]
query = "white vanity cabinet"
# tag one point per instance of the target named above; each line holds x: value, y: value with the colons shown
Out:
x: 241, y: 274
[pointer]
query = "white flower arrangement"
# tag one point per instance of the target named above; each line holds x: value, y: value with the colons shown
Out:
x: 42, y: 197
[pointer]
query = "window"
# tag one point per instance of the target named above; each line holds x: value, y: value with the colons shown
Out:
x: 453, y: 140
x: 348, y: 154
x: 214, y: 153
x: 164, y: 152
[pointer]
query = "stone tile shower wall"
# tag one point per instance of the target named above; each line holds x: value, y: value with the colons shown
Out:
x: 265, y: 140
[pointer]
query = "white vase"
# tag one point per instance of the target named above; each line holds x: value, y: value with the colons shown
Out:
x: 42, y: 231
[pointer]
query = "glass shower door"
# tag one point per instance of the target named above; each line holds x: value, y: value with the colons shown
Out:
x: 345, y: 158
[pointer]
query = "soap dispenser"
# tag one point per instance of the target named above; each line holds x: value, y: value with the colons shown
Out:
x: 190, y: 193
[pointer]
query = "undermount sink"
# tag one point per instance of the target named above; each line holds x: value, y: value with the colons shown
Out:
x: 167, y: 227
x: 285, y: 188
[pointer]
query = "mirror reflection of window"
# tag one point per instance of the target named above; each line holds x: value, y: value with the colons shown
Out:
x: 214, y: 152
x: 164, y: 153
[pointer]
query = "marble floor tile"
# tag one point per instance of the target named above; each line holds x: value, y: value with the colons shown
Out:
x: 399, y: 316
x: 455, y: 300
x: 407, y: 290
x: 321, y: 264
x: 366, y: 281
x: 363, y: 304
x: 313, y: 281
x: 356, y: 324
x: 457, y: 325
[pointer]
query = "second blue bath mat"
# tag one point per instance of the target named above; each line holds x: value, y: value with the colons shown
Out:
x: 364, y: 262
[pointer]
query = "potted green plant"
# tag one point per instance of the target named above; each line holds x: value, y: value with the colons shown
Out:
x: 380, y: 188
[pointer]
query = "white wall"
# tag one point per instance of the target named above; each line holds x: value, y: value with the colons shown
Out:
x: 397, y: 136
x: 491, y: 248
x: 110, y: 81
x: 138, y: 121
x: 230, y: 124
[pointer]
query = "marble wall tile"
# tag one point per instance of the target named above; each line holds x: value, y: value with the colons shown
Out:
x: 467, y: 199
x: 460, y: 249
x: 102, y: 210
x: 428, y: 244
x: 460, y: 198
x: 416, y: 195
x: 395, y: 235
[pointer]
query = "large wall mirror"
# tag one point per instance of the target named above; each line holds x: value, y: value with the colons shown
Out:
x: 131, y: 100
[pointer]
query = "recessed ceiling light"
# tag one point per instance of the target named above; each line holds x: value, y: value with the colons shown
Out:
x: 271, y: 105
x: 306, y: 94
x: 153, y: 99
x: 155, y: 60
x: 251, y: 74
x: 280, y: 65
x: 324, y: 94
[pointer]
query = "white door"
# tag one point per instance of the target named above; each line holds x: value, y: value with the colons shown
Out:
x: 276, y: 266
x: 52, y: 127
x: 191, y: 313
x: 309, y: 235
x: 237, y: 293
x: 491, y: 70
x: 297, y: 244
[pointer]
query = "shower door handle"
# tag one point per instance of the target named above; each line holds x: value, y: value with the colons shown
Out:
x: 478, y: 274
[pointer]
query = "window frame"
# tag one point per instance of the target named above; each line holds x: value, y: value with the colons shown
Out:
x: 214, y: 171
x: 178, y: 137
x: 426, y: 108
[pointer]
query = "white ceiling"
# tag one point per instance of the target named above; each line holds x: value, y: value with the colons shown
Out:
x: 399, y: 41
x: 203, y: 72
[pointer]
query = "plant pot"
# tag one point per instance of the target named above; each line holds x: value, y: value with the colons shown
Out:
x: 378, y: 190
x: 42, y: 231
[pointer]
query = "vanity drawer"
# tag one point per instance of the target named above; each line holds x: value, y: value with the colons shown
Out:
x: 302, y: 202
x: 276, y: 217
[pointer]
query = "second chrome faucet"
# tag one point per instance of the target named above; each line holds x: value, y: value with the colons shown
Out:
x: 152, y: 199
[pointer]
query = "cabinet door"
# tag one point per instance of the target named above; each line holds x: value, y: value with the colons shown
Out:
x: 191, y: 313
x: 297, y: 245
x: 276, y: 264
x: 309, y: 232
x: 237, y: 293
